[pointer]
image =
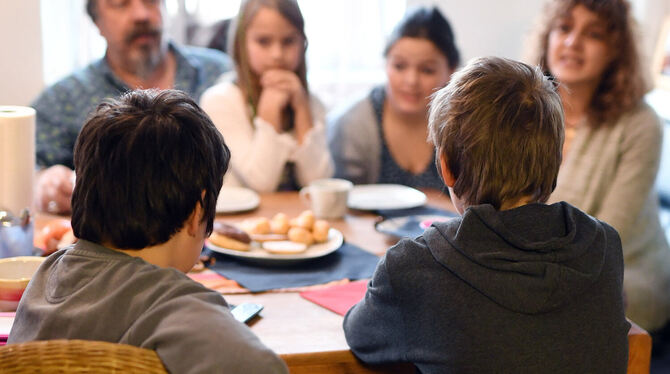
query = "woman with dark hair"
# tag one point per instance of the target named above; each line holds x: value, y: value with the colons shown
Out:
x: 274, y: 126
x: 612, y: 140
x: 382, y: 138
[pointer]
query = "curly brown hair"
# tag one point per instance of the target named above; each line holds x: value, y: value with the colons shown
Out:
x: 624, y: 82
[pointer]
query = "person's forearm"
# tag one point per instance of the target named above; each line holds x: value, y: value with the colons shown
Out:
x: 303, y: 122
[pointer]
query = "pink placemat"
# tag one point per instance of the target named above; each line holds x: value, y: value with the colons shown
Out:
x: 340, y: 298
x: 219, y: 283
x: 6, y: 321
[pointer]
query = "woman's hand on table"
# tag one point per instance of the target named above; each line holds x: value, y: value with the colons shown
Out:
x: 54, y: 189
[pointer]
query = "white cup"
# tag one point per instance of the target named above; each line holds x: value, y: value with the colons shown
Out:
x: 327, y: 197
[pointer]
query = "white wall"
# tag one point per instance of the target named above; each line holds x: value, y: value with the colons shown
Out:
x: 482, y: 27
x: 494, y: 27
x: 21, y: 56
x: 488, y: 27
x: 651, y: 14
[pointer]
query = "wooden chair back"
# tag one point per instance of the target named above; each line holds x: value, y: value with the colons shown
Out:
x: 639, y: 350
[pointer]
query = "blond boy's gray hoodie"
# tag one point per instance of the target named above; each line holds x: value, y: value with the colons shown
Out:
x: 535, y: 289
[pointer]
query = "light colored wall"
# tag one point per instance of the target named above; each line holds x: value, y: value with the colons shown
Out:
x: 650, y: 14
x: 482, y: 27
x: 488, y: 27
x: 500, y: 28
x: 21, y: 56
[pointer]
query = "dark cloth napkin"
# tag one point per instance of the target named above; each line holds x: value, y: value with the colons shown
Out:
x: 409, y: 220
x: 417, y: 211
x: 348, y: 261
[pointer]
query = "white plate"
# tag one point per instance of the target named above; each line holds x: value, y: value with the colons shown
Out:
x: 236, y: 199
x: 384, y: 196
x: 261, y: 256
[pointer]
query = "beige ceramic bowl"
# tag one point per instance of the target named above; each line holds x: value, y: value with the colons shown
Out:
x: 15, y: 273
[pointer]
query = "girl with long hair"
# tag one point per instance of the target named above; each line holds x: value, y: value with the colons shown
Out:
x: 273, y: 125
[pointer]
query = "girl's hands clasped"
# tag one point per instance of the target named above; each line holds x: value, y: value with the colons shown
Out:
x: 282, y: 88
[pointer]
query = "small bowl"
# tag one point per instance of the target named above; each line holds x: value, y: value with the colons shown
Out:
x: 15, y: 273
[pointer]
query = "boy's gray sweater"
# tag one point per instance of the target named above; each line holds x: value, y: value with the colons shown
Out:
x: 535, y: 289
x: 94, y: 293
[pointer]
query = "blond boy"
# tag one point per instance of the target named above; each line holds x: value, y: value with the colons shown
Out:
x: 513, y: 285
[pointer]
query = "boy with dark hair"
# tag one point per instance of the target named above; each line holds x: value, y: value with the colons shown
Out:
x: 149, y: 169
x: 513, y: 285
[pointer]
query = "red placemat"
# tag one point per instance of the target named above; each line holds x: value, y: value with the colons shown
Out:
x: 340, y: 298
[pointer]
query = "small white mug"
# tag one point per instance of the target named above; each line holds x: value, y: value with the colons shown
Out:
x: 327, y: 197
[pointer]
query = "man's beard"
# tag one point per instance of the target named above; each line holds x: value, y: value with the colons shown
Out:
x: 144, y: 59
x: 147, y: 58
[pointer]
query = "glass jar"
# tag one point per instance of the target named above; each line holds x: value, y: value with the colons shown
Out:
x: 16, y: 234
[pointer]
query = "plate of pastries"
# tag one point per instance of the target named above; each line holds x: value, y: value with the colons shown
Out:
x: 278, y: 239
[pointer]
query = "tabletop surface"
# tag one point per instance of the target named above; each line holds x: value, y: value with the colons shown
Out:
x: 290, y: 324
x: 309, y: 337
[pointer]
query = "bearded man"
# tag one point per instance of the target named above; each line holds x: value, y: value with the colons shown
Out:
x: 138, y: 55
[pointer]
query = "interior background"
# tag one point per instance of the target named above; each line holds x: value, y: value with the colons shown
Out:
x: 44, y: 40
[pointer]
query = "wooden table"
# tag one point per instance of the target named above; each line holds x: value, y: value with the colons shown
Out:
x: 309, y: 337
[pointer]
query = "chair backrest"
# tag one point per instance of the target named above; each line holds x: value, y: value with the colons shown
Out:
x: 639, y: 350
x: 80, y: 356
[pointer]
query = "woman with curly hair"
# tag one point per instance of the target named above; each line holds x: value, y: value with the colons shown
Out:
x: 612, y: 140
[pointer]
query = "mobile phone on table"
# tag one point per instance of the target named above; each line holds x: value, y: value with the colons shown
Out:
x: 245, y: 311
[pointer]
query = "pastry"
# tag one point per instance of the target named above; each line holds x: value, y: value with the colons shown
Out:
x: 279, y: 224
x: 230, y: 237
x: 320, y: 230
x: 284, y: 247
x: 305, y: 220
x: 260, y: 225
x: 300, y: 235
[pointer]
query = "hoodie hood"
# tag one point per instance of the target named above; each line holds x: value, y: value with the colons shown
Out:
x: 531, y: 259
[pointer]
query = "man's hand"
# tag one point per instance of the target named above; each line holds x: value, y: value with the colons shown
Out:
x: 53, y: 191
